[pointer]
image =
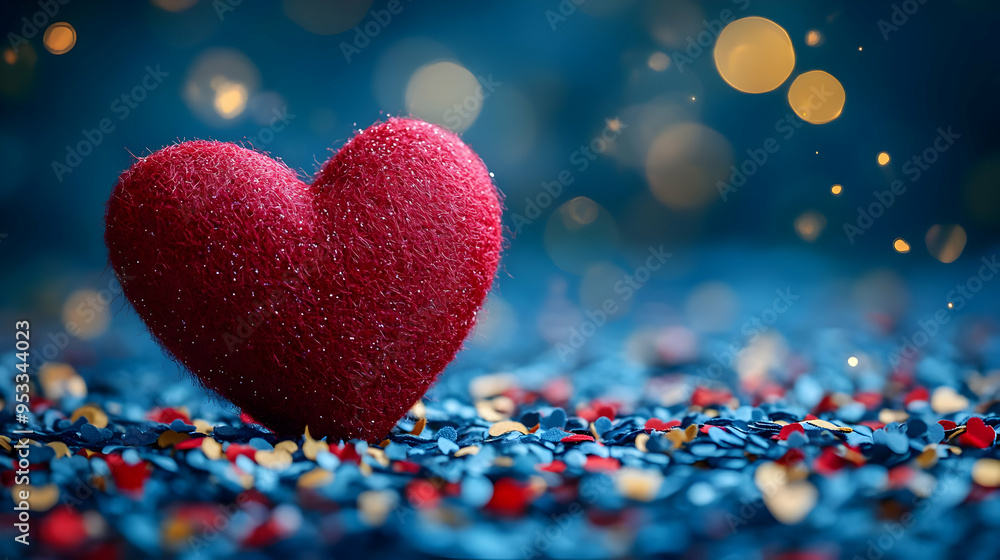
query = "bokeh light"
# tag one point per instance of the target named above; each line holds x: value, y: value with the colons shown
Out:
x: 685, y: 164
x: 814, y: 38
x: 445, y: 93
x: 754, y: 55
x: 572, y: 244
x: 658, y: 61
x: 59, y: 38
x: 326, y: 18
x: 672, y: 23
x: 809, y: 225
x: 174, y: 5
x: 219, y: 85
x: 900, y: 245
x: 852, y: 361
x: 711, y: 307
x: 86, y: 314
x: 837, y: 190
x: 597, y: 290
x: 946, y: 242
x: 883, y: 158
x: 817, y: 97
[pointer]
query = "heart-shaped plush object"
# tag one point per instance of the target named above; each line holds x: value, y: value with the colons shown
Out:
x: 332, y: 305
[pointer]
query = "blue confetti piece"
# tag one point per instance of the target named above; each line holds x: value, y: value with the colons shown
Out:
x: 447, y: 446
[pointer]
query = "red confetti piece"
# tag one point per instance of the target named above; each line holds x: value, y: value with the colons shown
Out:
x: 869, y: 399
x: 265, y: 534
x: 128, y: 478
x: 63, y: 529
x: 826, y: 405
x: 657, y: 424
x: 346, y: 454
x: 406, y: 467
x: 510, y: 498
x: 558, y: 391
x: 789, y: 429
x: 873, y: 424
x: 948, y: 425
x: 556, y: 466
x: 168, y: 415
x: 703, y: 396
x: 918, y: 394
x: 828, y: 462
x: 791, y: 457
x: 977, y: 434
x: 236, y: 449
x: 193, y: 443
x: 422, y: 494
x: 576, y: 438
x: 900, y: 476
x: 595, y: 463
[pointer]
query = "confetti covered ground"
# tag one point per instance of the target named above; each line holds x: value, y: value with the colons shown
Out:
x: 635, y: 446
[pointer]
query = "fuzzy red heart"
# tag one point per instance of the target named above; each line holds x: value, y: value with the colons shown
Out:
x: 332, y: 305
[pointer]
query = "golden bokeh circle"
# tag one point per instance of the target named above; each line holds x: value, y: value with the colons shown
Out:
x: 754, y: 55
x: 59, y: 38
x: 817, y: 97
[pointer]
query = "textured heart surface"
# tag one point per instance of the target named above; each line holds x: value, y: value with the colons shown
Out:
x: 332, y: 305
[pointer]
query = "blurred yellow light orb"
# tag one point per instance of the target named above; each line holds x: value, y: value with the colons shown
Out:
x: 59, y: 38
x: 883, y: 158
x: 86, y: 314
x: 809, y: 225
x: 685, y: 164
x: 837, y: 190
x: 754, y: 55
x: 946, y: 242
x: 174, y: 5
x: 659, y: 61
x: 900, y: 245
x: 817, y: 97
x: 445, y: 93
x: 813, y: 38
x: 852, y: 361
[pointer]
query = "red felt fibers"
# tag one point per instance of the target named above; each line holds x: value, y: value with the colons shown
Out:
x: 333, y: 304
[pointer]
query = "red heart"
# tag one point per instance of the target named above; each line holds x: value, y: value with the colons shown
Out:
x: 332, y: 305
x: 977, y: 434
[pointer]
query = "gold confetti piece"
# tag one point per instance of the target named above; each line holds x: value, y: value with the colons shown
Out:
x: 792, y: 502
x: 5, y: 443
x: 534, y: 428
x: 638, y: 484
x: 315, y: 478
x: 946, y: 400
x: 287, y: 445
x: 504, y: 461
x: 202, y: 427
x: 246, y: 481
x: 486, y: 386
x: 470, y: 450
x: 365, y: 469
x: 379, y: 456
x: 61, y: 449
x: 170, y: 438
x: 769, y: 476
x: 39, y: 498
x: 93, y: 414
x: 486, y: 411
x: 888, y: 416
x: 640, y: 442
x: 211, y: 448
x: 418, y: 427
x: 59, y: 380
x: 504, y: 427
x: 312, y: 447
x: 928, y: 457
x: 504, y: 405
x: 593, y: 432
x: 829, y: 426
x: 419, y: 409
x: 274, y: 460
x: 958, y: 431
x: 691, y: 432
x: 374, y: 506
x: 986, y: 472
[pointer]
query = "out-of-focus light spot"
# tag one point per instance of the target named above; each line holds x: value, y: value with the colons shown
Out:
x: 860, y: 49
x: 174, y: 5
x: 685, y: 163
x: 327, y: 18
x: 597, y: 290
x: 672, y: 23
x: 574, y: 246
x: 579, y: 212
x: 711, y: 307
x: 951, y: 305
x: 17, y: 74
x: 9, y: 56
x: 881, y: 291
x: 693, y: 98
x: 817, y: 97
x: 900, y: 245
x: 754, y: 55
x: 59, y: 38
x: 883, y: 158
x: 445, y: 93
x: 86, y: 314
x: 614, y: 125
x: 60, y: 380
x: 230, y: 98
x: 814, y: 38
x: 658, y: 61
x: 946, y: 242
x: 986, y: 473
x: 219, y: 85
x: 809, y: 225
x: 837, y: 190
x: 760, y: 357
x: 852, y: 361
